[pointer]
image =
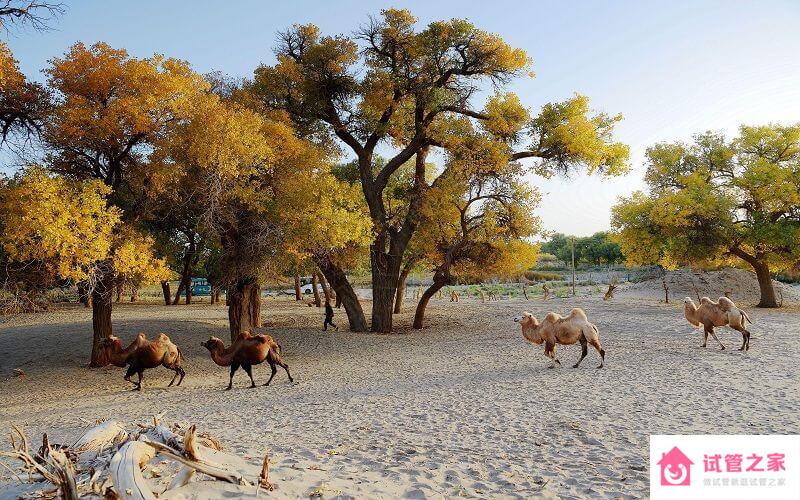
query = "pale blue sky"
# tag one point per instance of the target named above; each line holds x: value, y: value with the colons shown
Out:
x: 672, y: 68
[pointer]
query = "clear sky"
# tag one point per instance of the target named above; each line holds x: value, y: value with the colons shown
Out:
x: 672, y: 68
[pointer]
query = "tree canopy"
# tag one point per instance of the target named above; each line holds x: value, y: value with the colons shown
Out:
x: 717, y: 201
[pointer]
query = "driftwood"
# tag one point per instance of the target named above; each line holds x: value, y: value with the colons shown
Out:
x: 126, y: 471
x: 610, y: 292
x: 108, y: 460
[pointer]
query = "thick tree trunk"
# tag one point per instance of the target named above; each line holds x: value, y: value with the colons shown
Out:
x: 338, y: 300
x: 84, y: 294
x: 134, y: 294
x: 297, y: 294
x: 760, y: 266
x: 326, y: 291
x: 244, y: 307
x: 385, y: 276
x: 344, y: 293
x: 102, y: 301
x: 315, y: 288
x: 165, y: 291
x: 213, y: 296
x: 401, y: 290
x: 768, y: 298
x: 419, y: 315
x: 120, y: 288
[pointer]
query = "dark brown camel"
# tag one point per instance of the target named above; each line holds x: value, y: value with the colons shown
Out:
x: 246, y: 351
x: 159, y: 352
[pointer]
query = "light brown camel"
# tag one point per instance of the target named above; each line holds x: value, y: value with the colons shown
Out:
x: 116, y: 354
x: 555, y: 329
x: 247, y: 350
x: 711, y: 314
x: 151, y: 354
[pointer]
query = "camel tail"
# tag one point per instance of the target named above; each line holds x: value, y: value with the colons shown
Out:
x: 180, y: 355
x: 745, y: 318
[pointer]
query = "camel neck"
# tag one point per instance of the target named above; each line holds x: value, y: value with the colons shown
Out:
x: 221, y: 356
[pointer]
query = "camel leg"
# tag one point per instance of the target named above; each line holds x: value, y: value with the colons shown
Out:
x: 234, y: 367
x: 747, y: 346
x: 550, y: 351
x: 705, y: 337
x: 600, y: 351
x: 249, y: 370
x: 744, y: 337
x: 141, y: 376
x: 129, y: 374
x: 273, y: 368
x: 713, y: 334
x: 286, y: 368
x: 584, y: 350
x: 183, y: 374
x: 173, y: 377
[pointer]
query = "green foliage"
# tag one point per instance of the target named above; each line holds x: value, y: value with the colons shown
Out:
x: 597, y: 249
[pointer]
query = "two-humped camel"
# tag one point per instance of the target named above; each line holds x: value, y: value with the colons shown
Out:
x: 143, y: 354
x: 247, y: 350
x: 711, y: 314
x: 555, y: 329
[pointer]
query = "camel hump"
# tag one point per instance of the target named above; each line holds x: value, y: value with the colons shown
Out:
x: 577, y: 313
x: 551, y: 317
x: 162, y: 337
x: 726, y: 304
x: 706, y: 300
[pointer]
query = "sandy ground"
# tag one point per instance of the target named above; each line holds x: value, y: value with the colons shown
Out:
x: 464, y: 408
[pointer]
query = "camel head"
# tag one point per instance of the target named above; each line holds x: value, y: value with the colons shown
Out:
x: 527, y: 320
x: 213, y: 344
x: 688, y: 301
x: 110, y: 342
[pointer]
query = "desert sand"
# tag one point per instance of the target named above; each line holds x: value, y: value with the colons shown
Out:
x: 463, y: 408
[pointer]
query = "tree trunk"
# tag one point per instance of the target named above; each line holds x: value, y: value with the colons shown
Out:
x: 165, y: 291
x: 315, y: 288
x: 761, y: 268
x: 419, y: 315
x: 134, y: 294
x: 120, y: 288
x: 102, y: 301
x: 768, y: 298
x: 344, y: 293
x: 385, y: 276
x: 213, y: 297
x: 189, y: 290
x: 401, y: 290
x: 325, y: 288
x: 297, y: 294
x: 244, y: 307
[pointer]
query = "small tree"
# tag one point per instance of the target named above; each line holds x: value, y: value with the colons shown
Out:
x: 23, y: 104
x: 716, y: 200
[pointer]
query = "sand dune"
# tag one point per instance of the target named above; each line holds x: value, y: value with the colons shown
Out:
x: 465, y: 407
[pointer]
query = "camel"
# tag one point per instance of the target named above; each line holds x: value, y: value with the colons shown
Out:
x: 116, y: 354
x: 247, y: 350
x: 711, y: 314
x: 159, y: 352
x: 555, y: 329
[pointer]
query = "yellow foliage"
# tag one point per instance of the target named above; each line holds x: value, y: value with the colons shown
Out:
x: 63, y: 225
x: 134, y: 258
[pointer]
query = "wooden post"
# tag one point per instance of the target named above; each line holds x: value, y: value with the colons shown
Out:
x: 573, y: 265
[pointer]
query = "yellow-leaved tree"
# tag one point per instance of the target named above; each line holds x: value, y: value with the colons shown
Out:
x: 51, y: 230
x: 108, y: 112
x: 399, y: 86
x: 719, y: 201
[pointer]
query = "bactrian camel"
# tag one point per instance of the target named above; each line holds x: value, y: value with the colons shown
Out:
x: 247, y: 350
x: 147, y: 354
x: 555, y: 329
x: 711, y: 314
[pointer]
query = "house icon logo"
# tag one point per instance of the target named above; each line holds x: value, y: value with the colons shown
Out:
x: 675, y: 468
